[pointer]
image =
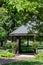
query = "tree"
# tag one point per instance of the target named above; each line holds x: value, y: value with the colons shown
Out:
x: 2, y: 35
x: 6, y: 20
x: 25, y: 9
x: 15, y: 13
x: 36, y: 25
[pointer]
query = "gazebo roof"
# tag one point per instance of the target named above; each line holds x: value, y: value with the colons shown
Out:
x: 22, y: 31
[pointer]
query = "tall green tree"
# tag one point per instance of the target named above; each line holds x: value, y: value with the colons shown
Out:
x: 23, y: 11
x: 14, y: 13
x: 2, y: 35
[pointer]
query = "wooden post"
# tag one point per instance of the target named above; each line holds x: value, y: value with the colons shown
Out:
x: 34, y: 38
x: 27, y: 42
x: 19, y: 44
x: 12, y: 42
x: 35, y: 49
x: 12, y: 38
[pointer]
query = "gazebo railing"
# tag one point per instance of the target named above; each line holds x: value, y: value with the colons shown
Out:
x: 25, y: 49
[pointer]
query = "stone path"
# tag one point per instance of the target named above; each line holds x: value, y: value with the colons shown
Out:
x: 16, y: 58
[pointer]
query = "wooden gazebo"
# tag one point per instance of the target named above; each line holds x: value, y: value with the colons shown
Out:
x: 21, y: 31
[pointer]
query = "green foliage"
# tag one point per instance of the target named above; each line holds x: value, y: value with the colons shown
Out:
x: 23, y: 10
x: 32, y: 61
x: 21, y: 5
x: 5, y: 20
x: 6, y: 54
x: 40, y: 45
x: 34, y: 44
x: 39, y: 56
x: 27, y: 62
x: 2, y: 34
x: 9, y: 45
x: 14, y: 45
x: 9, y: 50
x: 2, y: 2
x: 14, y: 13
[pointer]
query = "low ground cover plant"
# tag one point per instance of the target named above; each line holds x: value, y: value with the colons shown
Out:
x: 39, y: 56
x: 6, y: 54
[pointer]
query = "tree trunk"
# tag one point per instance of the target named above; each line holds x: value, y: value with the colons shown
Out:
x: 1, y: 43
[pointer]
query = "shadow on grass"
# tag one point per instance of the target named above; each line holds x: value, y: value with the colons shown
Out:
x: 25, y: 63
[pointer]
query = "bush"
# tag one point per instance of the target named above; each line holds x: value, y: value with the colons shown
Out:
x: 9, y: 45
x: 40, y: 45
x: 7, y: 54
x: 34, y: 44
x: 14, y: 45
x: 9, y: 50
x: 39, y: 56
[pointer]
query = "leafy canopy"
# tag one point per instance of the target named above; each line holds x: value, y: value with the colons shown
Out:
x: 14, y: 13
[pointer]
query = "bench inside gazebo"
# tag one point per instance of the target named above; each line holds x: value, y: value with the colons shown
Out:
x: 22, y: 32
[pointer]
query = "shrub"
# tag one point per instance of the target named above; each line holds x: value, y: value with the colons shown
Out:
x: 14, y: 45
x: 9, y: 45
x: 9, y: 50
x: 7, y: 54
x: 39, y: 56
x: 34, y: 44
x: 40, y: 45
